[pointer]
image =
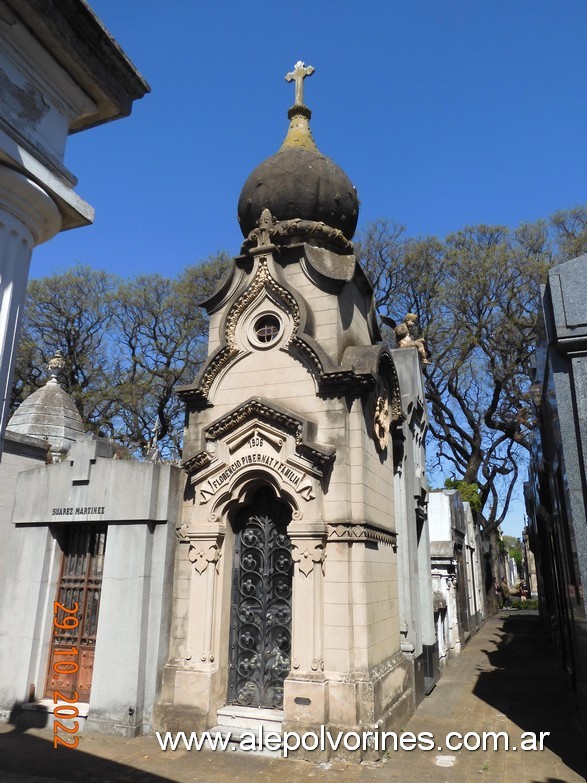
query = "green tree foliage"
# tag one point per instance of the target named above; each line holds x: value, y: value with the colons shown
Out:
x: 477, y: 297
x: 72, y: 312
x: 126, y: 344
x: 513, y: 548
x: 469, y: 492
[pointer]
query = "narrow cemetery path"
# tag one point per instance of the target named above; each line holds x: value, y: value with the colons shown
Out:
x: 504, y: 681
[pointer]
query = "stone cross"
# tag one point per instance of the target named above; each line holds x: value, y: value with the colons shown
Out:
x: 298, y: 75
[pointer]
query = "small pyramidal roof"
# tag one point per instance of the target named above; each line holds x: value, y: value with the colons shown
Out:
x: 49, y: 413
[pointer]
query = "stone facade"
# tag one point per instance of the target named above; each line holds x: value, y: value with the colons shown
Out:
x: 90, y: 490
x: 312, y: 438
x: 556, y: 490
x: 475, y: 564
x: 21, y: 452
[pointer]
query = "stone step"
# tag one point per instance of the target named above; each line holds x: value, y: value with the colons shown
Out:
x: 250, y: 718
x: 239, y: 740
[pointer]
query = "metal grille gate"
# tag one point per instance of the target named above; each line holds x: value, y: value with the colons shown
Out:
x: 260, y: 638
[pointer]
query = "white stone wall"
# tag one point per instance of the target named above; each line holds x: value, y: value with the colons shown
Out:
x: 20, y: 453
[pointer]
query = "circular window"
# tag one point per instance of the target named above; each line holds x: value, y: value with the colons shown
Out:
x: 266, y: 329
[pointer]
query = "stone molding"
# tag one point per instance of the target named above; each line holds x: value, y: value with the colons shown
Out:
x: 349, y: 531
x: 356, y: 375
x: 262, y: 410
x: 24, y: 200
x: 284, y: 231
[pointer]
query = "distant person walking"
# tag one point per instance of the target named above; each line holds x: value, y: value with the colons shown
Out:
x: 498, y: 595
x: 505, y: 592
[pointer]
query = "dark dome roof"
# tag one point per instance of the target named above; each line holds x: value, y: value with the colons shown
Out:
x: 299, y: 182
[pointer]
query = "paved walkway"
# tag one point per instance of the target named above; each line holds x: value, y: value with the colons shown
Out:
x: 505, y: 680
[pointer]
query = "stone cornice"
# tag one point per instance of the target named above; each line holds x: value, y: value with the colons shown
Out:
x: 351, y: 532
x: 296, y: 229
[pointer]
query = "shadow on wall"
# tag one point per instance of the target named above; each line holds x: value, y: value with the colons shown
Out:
x: 529, y: 689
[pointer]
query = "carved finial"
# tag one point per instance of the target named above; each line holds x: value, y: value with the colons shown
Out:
x: 266, y: 222
x: 56, y: 366
x: 298, y: 75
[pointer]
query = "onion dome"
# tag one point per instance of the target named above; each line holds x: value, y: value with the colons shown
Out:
x: 299, y: 182
x: 50, y: 413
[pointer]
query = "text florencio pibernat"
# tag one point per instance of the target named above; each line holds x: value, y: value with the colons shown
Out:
x: 350, y: 740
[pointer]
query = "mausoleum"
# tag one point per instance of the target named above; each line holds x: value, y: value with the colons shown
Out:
x: 285, y: 604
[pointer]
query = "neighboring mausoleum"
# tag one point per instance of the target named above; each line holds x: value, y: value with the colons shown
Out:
x: 556, y: 490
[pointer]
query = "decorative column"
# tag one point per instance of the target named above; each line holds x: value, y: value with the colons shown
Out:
x: 204, y: 553
x: 28, y: 217
x: 302, y: 702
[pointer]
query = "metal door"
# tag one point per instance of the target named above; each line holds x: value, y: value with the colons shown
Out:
x: 260, y: 638
x: 80, y: 582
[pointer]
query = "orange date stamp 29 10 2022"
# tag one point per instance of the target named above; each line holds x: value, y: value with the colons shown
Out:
x: 65, y: 706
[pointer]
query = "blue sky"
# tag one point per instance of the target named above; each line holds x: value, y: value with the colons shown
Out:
x: 443, y: 114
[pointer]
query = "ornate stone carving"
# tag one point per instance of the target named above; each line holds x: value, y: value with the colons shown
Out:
x: 56, y: 365
x: 266, y: 221
x: 381, y: 422
x: 404, y: 338
x: 307, y: 554
x: 202, y: 553
x: 181, y: 532
x: 262, y: 279
x: 256, y: 408
x: 347, y: 531
x: 286, y: 229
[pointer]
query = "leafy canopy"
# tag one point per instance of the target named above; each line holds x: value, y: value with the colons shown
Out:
x: 126, y: 343
x: 477, y: 297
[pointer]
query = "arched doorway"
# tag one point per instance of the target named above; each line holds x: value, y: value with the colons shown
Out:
x: 260, y: 628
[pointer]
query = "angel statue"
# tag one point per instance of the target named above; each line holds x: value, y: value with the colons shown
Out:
x: 404, y: 335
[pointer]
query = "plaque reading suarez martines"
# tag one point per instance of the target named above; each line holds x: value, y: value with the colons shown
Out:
x: 86, y: 511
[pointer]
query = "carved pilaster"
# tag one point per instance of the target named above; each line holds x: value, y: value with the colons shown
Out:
x: 308, y: 555
x: 204, y: 552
